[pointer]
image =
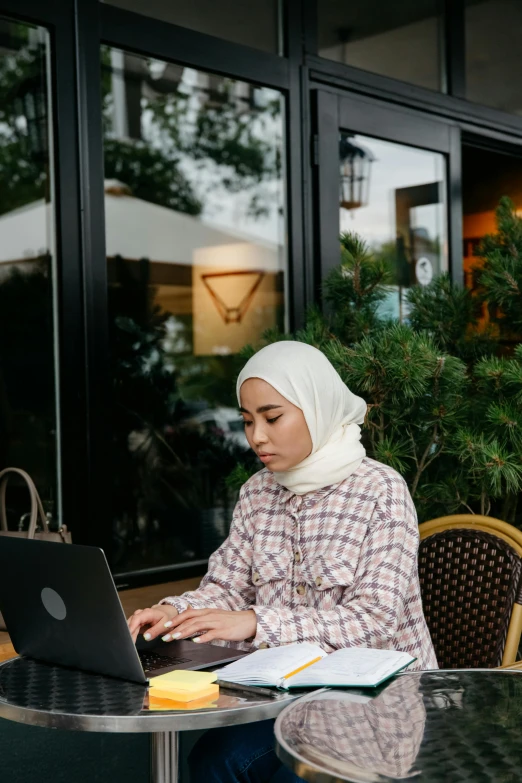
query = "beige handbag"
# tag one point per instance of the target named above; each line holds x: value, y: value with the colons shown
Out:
x: 37, y: 515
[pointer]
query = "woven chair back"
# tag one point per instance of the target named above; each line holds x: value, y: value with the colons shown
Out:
x: 470, y: 583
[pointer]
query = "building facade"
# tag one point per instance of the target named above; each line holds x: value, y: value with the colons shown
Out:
x: 174, y: 178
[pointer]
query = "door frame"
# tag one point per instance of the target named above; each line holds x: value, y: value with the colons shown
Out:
x: 333, y: 111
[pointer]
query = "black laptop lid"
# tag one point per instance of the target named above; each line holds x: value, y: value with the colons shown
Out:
x: 60, y: 605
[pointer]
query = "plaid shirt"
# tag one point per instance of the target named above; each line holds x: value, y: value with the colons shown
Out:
x: 336, y: 567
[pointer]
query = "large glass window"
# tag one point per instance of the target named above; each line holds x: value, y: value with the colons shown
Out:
x: 251, y: 24
x: 195, y: 222
x: 493, y: 62
x: 401, y: 40
x: 28, y: 420
x: 487, y: 175
x: 394, y: 197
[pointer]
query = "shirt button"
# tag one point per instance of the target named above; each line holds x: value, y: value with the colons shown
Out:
x: 255, y: 577
x: 263, y: 646
x: 297, y: 557
x: 318, y: 581
x: 300, y: 589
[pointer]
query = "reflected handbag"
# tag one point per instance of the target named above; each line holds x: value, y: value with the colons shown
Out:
x: 37, y: 516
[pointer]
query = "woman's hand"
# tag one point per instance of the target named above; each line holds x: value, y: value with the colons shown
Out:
x: 230, y: 626
x: 154, y: 621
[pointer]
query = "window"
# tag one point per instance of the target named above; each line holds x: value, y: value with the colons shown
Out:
x: 28, y: 419
x: 493, y: 62
x: 195, y: 222
x: 394, y: 197
x: 401, y: 40
x: 251, y: 24
x: 487, y: 175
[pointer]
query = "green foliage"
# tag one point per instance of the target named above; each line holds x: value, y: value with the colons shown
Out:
x: 229, y: 138
x: 151, y: 175
x: 27, y: 372
x: 237, y: 477
x: 356, y: 288
x: 501, y: 274
x: 444, y: 400
x: 165, y: 462
x: 450, y: 315
x: 23, y: 170
x: 216, y: 134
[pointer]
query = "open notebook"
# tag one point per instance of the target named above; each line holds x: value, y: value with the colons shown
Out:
x: 305, y: 665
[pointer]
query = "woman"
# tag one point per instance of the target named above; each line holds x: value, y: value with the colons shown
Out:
x: 322, y: 547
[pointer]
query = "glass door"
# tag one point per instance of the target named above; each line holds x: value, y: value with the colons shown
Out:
x: 384, y: 174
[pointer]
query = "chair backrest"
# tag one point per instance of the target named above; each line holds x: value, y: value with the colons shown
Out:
x: 470, y: 574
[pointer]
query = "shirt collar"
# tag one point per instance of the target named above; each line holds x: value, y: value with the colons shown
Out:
x: 309, y: 499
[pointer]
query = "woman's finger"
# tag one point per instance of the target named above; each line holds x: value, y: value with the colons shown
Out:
x: 190, y: 628
x: 144, y: 617
x: 189, y: 614
x: 208, y: 636
x: 155, y: 629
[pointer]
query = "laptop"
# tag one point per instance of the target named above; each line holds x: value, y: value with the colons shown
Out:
x: 60, y: 605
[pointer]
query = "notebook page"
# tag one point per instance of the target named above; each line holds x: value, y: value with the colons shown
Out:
x: 270, y: 666
x: 352, y: 666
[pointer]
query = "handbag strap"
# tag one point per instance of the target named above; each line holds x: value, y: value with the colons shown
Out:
x: 37, y: 509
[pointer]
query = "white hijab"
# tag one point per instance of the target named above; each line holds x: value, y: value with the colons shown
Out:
x: 304, y: 376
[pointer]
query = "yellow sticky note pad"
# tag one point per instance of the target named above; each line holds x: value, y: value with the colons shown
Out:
x: 185, y: 683
x: 156, y: 704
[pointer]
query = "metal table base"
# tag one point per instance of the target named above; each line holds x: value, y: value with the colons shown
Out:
x: 164, y: 757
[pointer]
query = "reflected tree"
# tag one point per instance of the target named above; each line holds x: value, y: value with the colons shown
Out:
x: 23, y: 117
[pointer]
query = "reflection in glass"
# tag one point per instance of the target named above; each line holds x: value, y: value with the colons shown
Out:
x: 27, y: 362
x: 401, y: 40
x: 493, y: 62
x: 360, y: 735
x: 487, y: 175
x: 195, y: 222
x: 400, y: 211
x: 422, y: 726
x: 251, y: 24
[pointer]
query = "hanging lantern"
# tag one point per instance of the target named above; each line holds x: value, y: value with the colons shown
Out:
x: 356, y: 162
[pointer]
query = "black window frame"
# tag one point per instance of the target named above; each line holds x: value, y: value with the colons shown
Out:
x: 337, y: 110
x: 77, y: 480
x: 146, y: 36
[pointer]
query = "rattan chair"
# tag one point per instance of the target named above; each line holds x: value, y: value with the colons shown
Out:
x: 470, y: 574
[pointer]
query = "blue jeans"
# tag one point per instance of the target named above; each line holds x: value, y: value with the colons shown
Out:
x: 238, y: 754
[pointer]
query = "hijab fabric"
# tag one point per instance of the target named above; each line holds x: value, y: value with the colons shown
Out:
x: 304, y: 376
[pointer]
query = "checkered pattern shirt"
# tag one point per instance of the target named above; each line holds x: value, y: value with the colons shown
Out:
x: 336, y: 567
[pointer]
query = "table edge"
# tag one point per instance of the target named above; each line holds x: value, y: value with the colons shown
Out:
x: 315, y: 774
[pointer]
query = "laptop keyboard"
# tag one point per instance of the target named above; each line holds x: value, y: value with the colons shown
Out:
x: 152, y: 661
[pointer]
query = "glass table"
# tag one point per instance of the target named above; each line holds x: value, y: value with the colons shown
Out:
x: 432, y: 726
x: 40, y: 694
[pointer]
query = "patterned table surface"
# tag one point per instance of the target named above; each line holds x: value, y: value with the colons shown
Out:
x: 446, y: 726
x: 41, y: 694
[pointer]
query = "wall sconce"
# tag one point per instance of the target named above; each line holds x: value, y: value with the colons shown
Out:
x: 232, y: 314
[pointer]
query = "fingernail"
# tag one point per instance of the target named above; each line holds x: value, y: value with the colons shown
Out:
x: 167, y: 625
x: 146, y: 636
x: 166, y: 638
x: 196, y: 639
x: 176, y: 635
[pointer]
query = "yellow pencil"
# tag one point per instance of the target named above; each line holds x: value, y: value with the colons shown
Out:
x: 300, y: 669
